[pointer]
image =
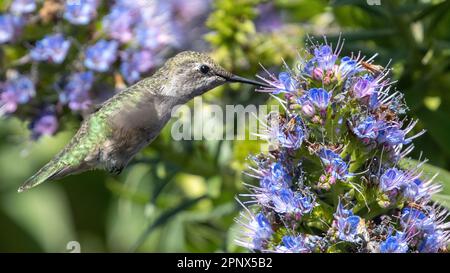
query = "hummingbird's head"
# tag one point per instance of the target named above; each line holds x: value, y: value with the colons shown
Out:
x: 190, y: 74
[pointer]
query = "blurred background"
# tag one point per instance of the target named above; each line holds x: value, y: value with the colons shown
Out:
x: 58, y: 59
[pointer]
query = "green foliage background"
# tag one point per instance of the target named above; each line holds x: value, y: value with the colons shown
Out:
x: 179, y: 196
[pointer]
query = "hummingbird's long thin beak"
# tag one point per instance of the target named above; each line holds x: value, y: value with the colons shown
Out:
x: 235, y: 78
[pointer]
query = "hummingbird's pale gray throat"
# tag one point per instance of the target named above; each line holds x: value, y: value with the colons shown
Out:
x: 111, y: 136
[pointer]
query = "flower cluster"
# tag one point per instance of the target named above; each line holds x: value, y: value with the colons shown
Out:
x: 334, y: 178
x: 75, y: 54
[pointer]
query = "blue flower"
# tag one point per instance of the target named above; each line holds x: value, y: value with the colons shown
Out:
x: 419, y: 191
x: 76, y: 91
x: 101, y: 55
x: 392, y: 179
x: 319, y: 97
x: 368, y: 129
x: 119, y: 23
x: 10, y: 27
x: 278, y: 172
x: 136, y: 62
x: 324, y: 57
x: 415, y: 221
x: 393, y: 135
x: 346, y: 68
x: 129, y: 72
x: 53, y: 48
x: 290, y: 84
x: 412, y: 190
x: 286, y: 201
x: 433, y: 242
x: 348, y: 228
x: 44, y: 124
x: 80, y: 12
x: 275, y: 178
x: 364, y: 87
x: 394, y: 244
x: 347, y: 224
x: 155, y: 32
x: 15, y: 91
x: 262, y: 230
x: 20, y: 7
x: 284, y: 83
x: 255, y: 231
x: 309, y: 67
x: 289, y: 135
x: 334, y: 165
x: 294, y: 244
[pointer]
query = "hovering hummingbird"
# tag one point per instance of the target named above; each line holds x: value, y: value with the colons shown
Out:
x: 111, y: 136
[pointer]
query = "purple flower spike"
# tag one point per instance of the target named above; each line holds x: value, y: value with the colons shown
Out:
x: 53, y: 49
x: 101, y: 55
x: 349, y: 144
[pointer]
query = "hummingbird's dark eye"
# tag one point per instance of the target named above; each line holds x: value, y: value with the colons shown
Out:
x: 204, y: 69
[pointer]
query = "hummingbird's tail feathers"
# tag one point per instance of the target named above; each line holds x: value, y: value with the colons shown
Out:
x: 50, y: 171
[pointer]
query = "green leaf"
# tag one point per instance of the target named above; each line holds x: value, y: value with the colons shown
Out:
x: 431, y: 9
x: 165, y: 217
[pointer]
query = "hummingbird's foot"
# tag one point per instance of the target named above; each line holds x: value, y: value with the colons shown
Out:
x: 116, y: 170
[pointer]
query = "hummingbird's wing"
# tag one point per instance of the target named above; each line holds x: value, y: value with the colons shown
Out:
x: 139, y: 120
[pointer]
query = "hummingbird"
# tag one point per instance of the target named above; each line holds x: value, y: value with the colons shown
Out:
x: 130, y: 120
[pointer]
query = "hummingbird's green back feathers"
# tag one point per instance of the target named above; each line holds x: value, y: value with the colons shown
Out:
x: 73, y: 158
